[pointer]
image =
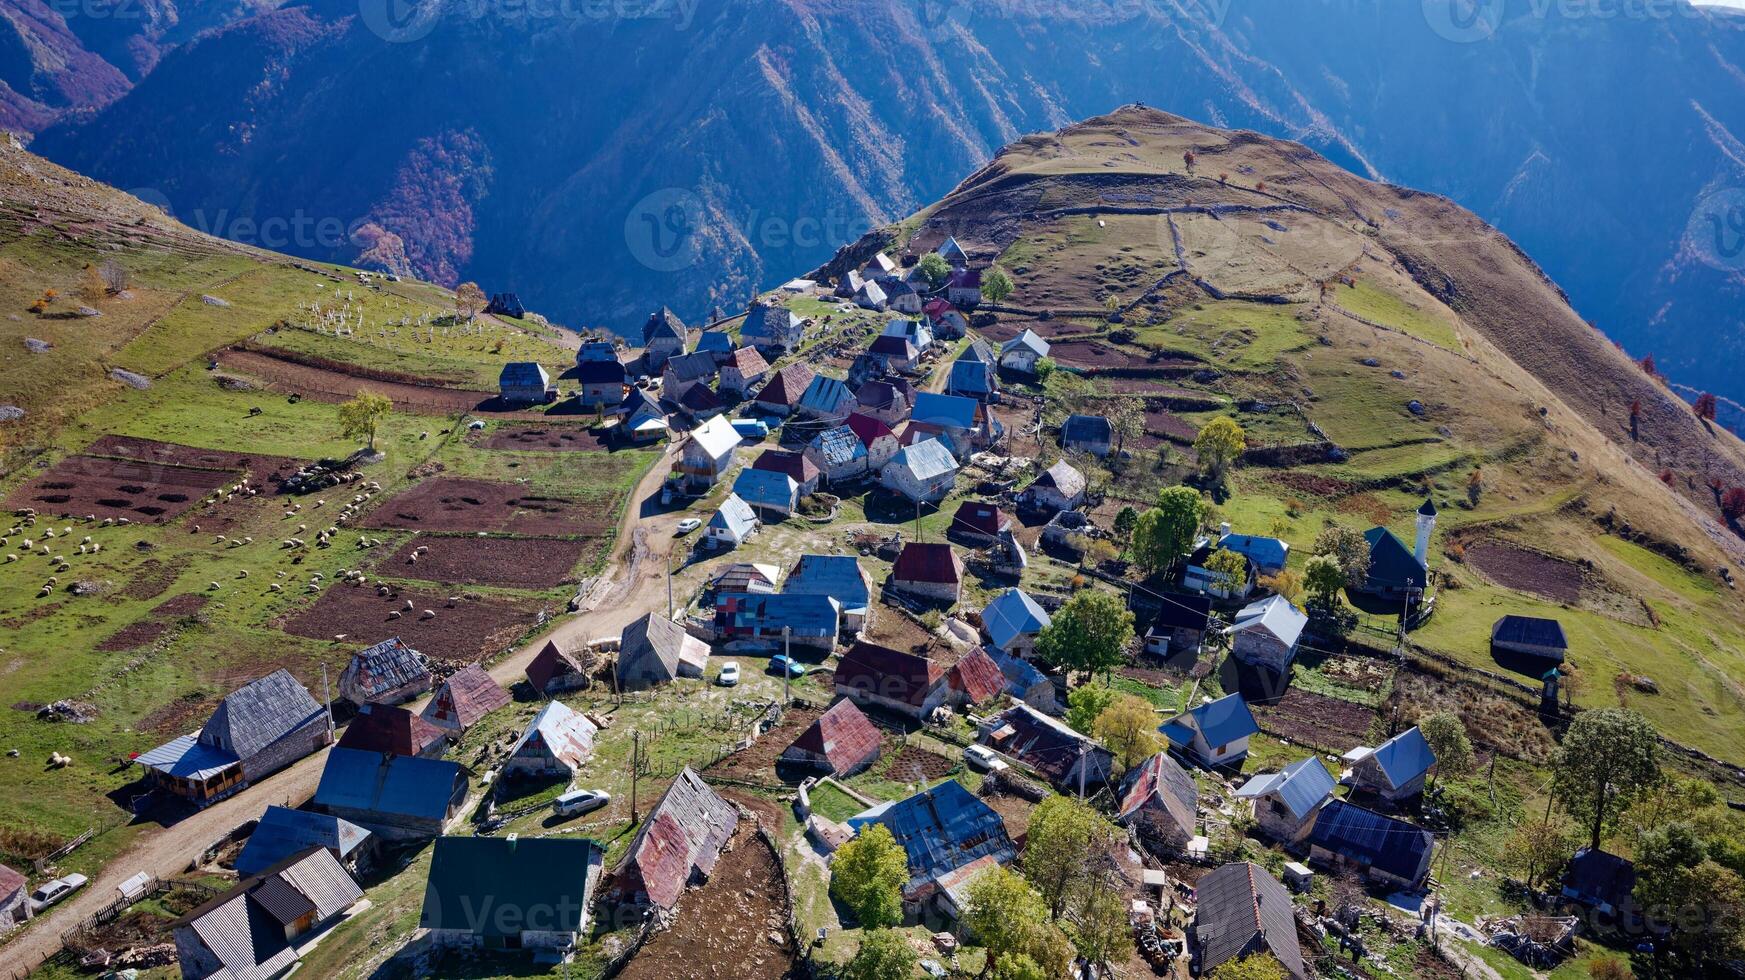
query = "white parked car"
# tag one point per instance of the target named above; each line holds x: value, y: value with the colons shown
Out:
x: 983, y: 758
x: 689, y: 524
x: 53, y: 891
x: 729, y: 675
x: 579, y: 801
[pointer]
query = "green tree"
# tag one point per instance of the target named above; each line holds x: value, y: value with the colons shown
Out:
x: 1446, y: 734
x: 1323, y: 578
x: 1608, y: 759
x: 1084, y: 704
x: 1065, y: 838
x: 1346, y: 546
x: 1256, y: 966
x: 1099, y: 928
x: 1008, y: 918
x: 1680, y: 885
x: 867, y: 875
x: 1287, y: 582
x: 1126, y: 519
x: 1218, y: 445
x: 1230, y: 568
x: 359, y: 417
x: 996, y: 285
x: 1537, y: 849
x: 1090, y: 632
x: 884, y: 954
x: 1164, y: 533
x: 1017, y: 967
x: 1128, y: 729
x: 935, y: 268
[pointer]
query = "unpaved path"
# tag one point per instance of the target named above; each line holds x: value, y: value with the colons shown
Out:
x: 645, y: 536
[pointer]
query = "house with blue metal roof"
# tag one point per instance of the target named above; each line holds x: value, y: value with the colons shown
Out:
x: 841, y: 578
x: 732, y: 523
x: 768, y: 492
x: 1286, y: 802
x: 524, y: 382
x: 1268, y: 555
x: 1215, y: 733
x: 282, y: 832
x: 971, y: 378
x: 396, y: 797
x: 1388, y: 852
x: 716, y: 342
x: 943, y: 831
x: 1092, y: 434
x: 1013, y: 621
x: 812, y: 621
x: 1394, y: 770
x: 826, y: 398
x: 1026, y: 683
x: 964, y: 423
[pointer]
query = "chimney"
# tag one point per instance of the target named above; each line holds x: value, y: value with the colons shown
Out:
x: 1223, y: 530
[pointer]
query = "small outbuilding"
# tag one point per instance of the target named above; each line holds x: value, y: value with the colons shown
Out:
x: 655, y: 650
x: 466, y: 697
x: 1529, y: 636
x: 841, y: 742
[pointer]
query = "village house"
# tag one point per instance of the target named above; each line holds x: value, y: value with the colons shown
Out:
x: 848, y: 285
x: 699, y: 404
x: 511, y: 893
x: 1268, y: 555
x: 841, y: 578
x: 389, y: 672
x: 707, y: 453
x: 902, y: 297
x: 1241, y: 910
x: 781, y: 394
x: 731, y: 523
x: 1159, y: 801
x: 1529, y: 636
x: 871, y: 296
x: 1265, y: 634
x: 1022, y: 353
x: 596, y: 351
x: 1060, y: 487
x: 1180, y: 626
x: 524, y: 383
x: 771, y: 329
x: 393, y: 730
x: 1067, y: 759
x: 685, y: 371
x: 878, y: 266
x: 743, y: 370
x: 554, y: 744
x: 838, y: 454
x: 1199, y: 576
x: 771, y: 493
x: 1215, y: 733
x: 949, y: 836
x: 716, y: 343
x: 282, y: 832
x: 826, y: 399
x: 916, y: 332
x: 885, y: 399
x: 1390, y: 853
x: 468, y: 695
x: 259, y: 927
x: 1395, y: 770
x: 257, y: 729
x: 553, y: 671
x: 840, y: 742
x: 663, y: 335
x: 14, y: 899
x: 602, y: 383
x: 1286, y: 802
x: 964, y: 288
x: 801, y: 470
x: 979, y: 523
x: 895, y: 354
x: 953, y: 254
x: 1026, y: 683
x: 767, y: 621
x: 975, y: 679
x: 1087, y: 434
x: 1013, y: 621
x: 905, y: 683
x: 677, y: 844
x: 506, y: 304
x: 744, y: 576
x: 644, y: 420
x: 929, y: 570
x: 948, y: 322
x: 880, y: 442
x: 654, y: 650
x: 963, y: 423
x: 395, y: 797
x: 923, y: 472
x: 1600, y: 881
x: 970, y: 378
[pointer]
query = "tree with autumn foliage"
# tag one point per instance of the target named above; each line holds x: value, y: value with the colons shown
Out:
x: 1733, y: 504
x: 1704, y: 407
x: 469, y: 300
x: 1647, y: 366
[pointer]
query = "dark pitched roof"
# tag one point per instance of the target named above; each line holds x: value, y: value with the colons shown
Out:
x: 903, y: 677
x: 867, y: 428
x: 942, y: 829
x: 795, y: 465
x: 1428, y: 509
x: 1183, y: 612
x: 1595, y: 876
x: 259, y: 713
x: 977, y: 677
x: 837, y: 576
x: 747, y: 361
x: 889, y: 346
x: 1086, y: 428
x: 523, y: 373
x: 930, y: 562
x: 385, y: 728
x: 786, y: 386
x: 1405, y: 757
x: 1302, y: 785
x: 842, y: 735
x: 1161, y: 781
x: 654, y: 646
x: 1371, y: 839
x: 1242, y: 909
x: 663, y: 324
x: 683, y: 834
x: 388, y: 785
x: 879, y: 395
x: 600, y: 372
x: 980, y: 517
x: 548, y: 663
x: 1046, y: 745
x: 554, y: 875
x: 282, y: 832
x: 469, y: 694
x: 694, y: 366
x: 1529, y: 630
x: 1391, y: 562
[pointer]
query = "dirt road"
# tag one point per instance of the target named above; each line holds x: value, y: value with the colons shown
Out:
x: 635, y: 573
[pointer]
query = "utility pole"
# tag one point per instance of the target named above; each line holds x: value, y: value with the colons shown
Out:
x: 669, y: 584
x: 635, y: 770
x: 327, y: 695
x: 1081, y: 770
x: 787, y: 668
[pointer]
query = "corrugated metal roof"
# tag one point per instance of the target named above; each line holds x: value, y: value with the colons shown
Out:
x: 558, y: 732
x: 1530, y: 631
x: 766, y: 488
x: 980, y: 517
x: 498, y: 887
x: 468, y: 695
x: 839, y: 446
x: 734, y: 515
x: 942, y: 829
x: 1221, y: 722
x: 1371, y: 839
x: 258, y: 714
x: 793, y: 464
x: 1237, y: 905
x: 247, y: 938
x: 1265, y: 552
x: 715, y: 342
x: 926, y: 460
x: 1392, y: 563
x: 1045, y: 744
x: 809, y: 616
x: 1086, y: 428
x: 682, y: 835
x: 278, y: 899
x: 1301, y: 786
x: 1028, y: 340
x: 1011, y: 615
x: 1276, y: 615
x: 283, y: 832
x: 390, y: 785
x: 1405, y: 757
x: 1063, y: 476
x: 695, y: 366
x: 1183, y: 612
x: 843, y: 735
x: 185, y: 758
x: 1160, y: 783
x: 826, y: 396
x: 977, y: 677
x: 839, y: 576
x: 716, y: 437
x: 903, y: 677
x: 972, y: 377
x: 944, y: 411
x: 383, y: 728
x: 928, y: 562
x: 523, y: 373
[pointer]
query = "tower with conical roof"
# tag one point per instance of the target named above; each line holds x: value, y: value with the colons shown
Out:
x: 1426, y: 525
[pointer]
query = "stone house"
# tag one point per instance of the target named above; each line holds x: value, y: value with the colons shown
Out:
x: 1266, y: 633
x: 929, y: 570
x: 1287, y: 802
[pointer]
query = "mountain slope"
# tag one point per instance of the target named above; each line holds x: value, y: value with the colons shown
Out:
x: 1593, y: 142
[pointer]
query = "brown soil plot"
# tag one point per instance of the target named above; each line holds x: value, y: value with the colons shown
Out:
x: 515, y: 563
x: 456, y: 504
x: 913, y: 765
x: 1307, y: 718
x: 139, y: 491
x: 468, y: 630
x: 260, y: 469
x: 1527, y: 571
x: 547, y: 438
x: 758, y: 762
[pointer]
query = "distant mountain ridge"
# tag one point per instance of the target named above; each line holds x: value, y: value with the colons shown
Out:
x: 596, y: 167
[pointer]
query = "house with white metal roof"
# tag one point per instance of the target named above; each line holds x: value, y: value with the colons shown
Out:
x: 923, y: 472
x: 708, y: 452
x: 731, y: 524
x: 1286, y: 802
x: 1022, y: 352
x: 1266, y: 633
x: 555, y: 743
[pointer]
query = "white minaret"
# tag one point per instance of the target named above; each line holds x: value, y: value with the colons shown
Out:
x: 1426, y: 525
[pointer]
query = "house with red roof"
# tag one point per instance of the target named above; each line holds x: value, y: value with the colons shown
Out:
x: 781, y: 394
x: 979, y: 522
x: 975, y: 679
x: 930, y: 570
x: 905, y: 683
x: 877, y: 437
x: 743, y: 370
x: 468, y: 695
x: 395, y: 731
x: 677, y: 844
x: 841, y: 742
x: 797, y: 466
